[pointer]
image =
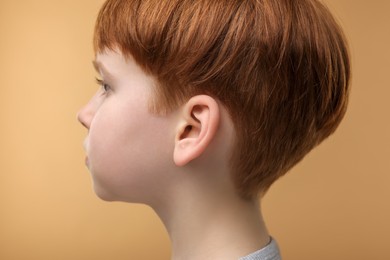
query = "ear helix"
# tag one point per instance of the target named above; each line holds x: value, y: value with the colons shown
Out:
x: 201, y: 117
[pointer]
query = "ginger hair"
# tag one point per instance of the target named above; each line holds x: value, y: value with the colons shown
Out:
x: 280, y: 67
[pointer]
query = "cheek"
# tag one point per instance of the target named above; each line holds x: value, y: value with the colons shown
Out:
x: 128, y: 151
x: 104, y: 137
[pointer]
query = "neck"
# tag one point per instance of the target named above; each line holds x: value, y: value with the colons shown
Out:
x: 206, y: 225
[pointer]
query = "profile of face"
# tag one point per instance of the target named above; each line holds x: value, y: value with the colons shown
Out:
x: 129, y: 149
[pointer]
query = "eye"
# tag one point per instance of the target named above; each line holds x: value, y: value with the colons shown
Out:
x: 104, y: 85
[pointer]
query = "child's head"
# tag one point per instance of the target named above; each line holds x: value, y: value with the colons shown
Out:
x: 279, y: 67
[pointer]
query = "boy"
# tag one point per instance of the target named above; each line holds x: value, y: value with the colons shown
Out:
x: 204, y: 104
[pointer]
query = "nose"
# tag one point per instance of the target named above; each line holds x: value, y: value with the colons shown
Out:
x: 87, y: 113
x: 84, y: 116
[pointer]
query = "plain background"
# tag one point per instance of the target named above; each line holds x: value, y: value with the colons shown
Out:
x: 334, y: 205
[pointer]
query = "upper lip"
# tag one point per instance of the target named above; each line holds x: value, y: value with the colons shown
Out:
x: 85, y: 144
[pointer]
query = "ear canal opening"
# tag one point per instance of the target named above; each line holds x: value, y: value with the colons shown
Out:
x: 186, y: 132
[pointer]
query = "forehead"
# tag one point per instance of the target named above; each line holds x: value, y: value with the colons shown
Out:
x: 115, y: 66
x: 112, y: 62
x: 108, y: 58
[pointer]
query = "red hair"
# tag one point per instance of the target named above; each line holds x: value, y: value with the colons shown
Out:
x: 280, y: 67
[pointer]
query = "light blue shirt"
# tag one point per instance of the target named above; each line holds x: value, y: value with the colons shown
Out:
x: 269, y: 252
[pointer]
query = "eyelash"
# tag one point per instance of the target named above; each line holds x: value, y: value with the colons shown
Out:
x: 104, y: 85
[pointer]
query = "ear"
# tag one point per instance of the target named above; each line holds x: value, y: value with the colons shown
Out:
x: 198, y: 125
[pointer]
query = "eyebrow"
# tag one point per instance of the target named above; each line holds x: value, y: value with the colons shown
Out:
x: 99, y: 67
x: 96, y: 65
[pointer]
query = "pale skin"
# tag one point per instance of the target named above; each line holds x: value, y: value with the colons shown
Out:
x: 177, y: 163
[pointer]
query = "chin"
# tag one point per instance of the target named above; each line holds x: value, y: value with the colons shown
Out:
x: 104, y: 194
x: 108, y: 195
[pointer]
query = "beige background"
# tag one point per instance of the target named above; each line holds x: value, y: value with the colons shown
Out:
x: 333, y: 205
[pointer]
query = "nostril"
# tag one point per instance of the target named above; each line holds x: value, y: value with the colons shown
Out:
x: 84, y: 124
x: 81, y: 119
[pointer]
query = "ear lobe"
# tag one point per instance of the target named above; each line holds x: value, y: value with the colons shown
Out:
x: 200, y: 120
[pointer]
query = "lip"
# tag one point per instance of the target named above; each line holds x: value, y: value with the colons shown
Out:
x: 85, y: 144
x: 86, y: 161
